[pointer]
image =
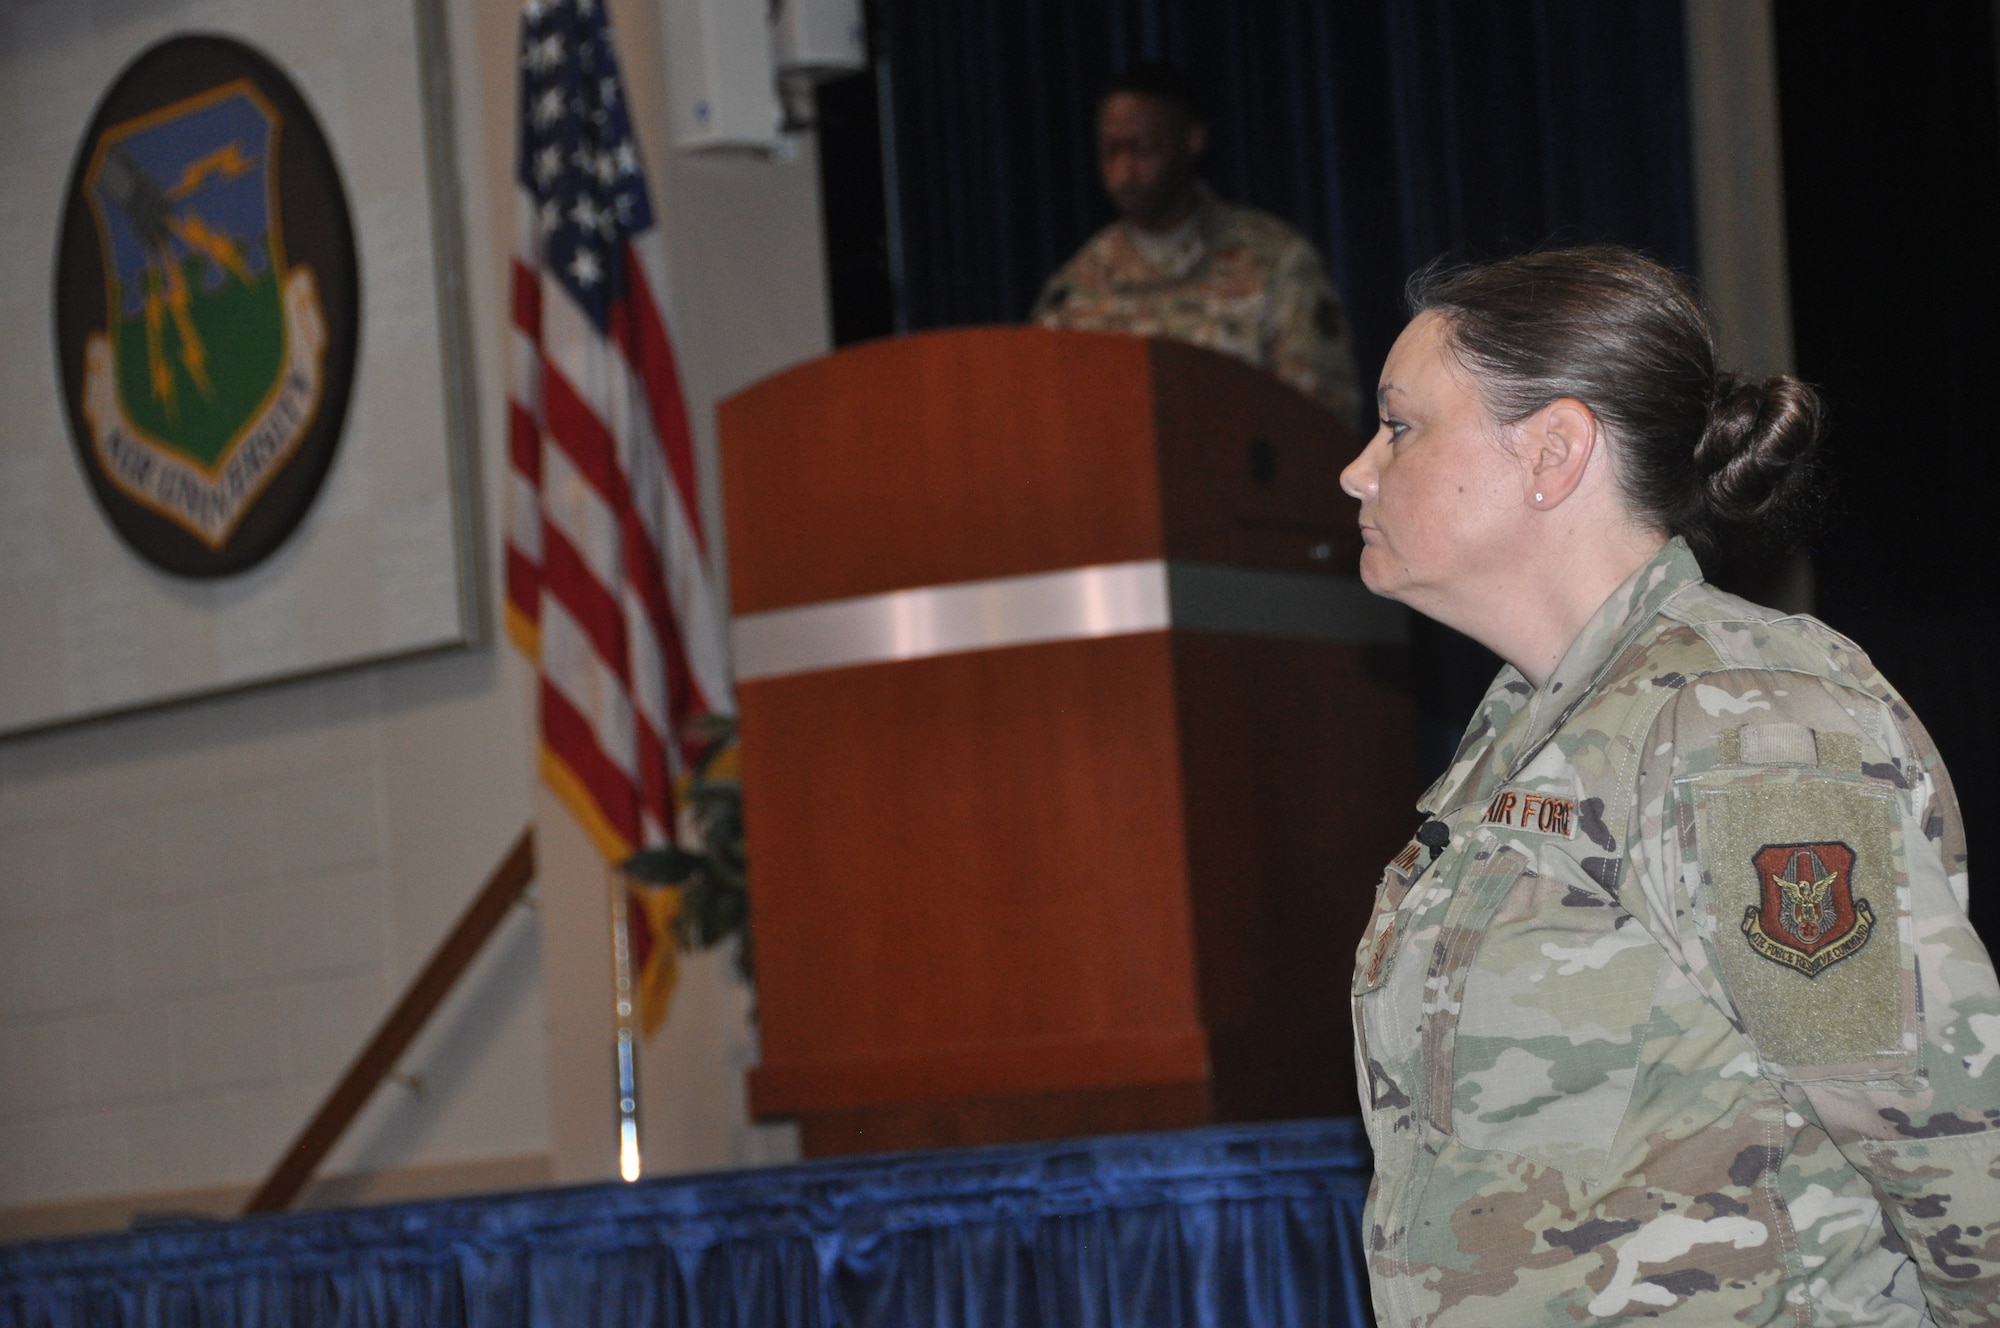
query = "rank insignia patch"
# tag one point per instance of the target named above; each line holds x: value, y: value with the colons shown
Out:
x: 1808, y: 918
x: 206, y: 297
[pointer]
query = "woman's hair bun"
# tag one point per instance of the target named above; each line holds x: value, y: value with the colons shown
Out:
x: 1721, y: 460
x: 1753, y: 477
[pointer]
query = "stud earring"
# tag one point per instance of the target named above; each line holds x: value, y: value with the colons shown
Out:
x: 1538, y: 498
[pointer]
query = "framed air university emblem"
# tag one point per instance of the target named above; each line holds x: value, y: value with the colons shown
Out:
x: 240, y: 435
x: 1808, y: 917
x: 207, y: 306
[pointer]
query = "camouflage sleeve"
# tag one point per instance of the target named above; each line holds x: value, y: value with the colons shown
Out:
x: 1308, y: 337
x: 1805, y: 864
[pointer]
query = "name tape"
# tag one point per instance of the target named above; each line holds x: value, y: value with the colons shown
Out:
x: 1538, y: 812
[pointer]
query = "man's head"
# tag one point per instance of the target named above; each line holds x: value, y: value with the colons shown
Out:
x: 1150, y: 136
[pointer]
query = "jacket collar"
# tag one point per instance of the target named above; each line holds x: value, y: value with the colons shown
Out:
x: 1195, y: 239
x: 1515, y: 720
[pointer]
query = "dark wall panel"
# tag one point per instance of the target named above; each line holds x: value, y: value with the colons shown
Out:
x: 1892, y: 181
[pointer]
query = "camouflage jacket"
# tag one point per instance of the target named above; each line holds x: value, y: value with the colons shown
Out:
x: 1242, y: 283
x: 1682, y: 1018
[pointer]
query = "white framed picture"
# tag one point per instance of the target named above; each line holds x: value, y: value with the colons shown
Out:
x: 237, y: 441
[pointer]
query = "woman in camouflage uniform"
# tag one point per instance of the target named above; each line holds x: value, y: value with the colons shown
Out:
x: 1671, y: 1009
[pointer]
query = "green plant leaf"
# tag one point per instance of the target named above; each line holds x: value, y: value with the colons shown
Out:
x: 665, y: 865
x: 715, y: 898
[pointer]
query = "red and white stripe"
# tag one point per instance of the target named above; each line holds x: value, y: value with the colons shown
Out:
x: 608, y: 582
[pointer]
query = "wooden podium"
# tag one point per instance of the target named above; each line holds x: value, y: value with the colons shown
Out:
x: 1072, y: 751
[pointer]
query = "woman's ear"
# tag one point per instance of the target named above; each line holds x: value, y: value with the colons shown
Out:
x: 1557, y: 443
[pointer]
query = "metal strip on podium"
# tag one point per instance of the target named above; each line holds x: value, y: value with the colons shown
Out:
x: 1080, y: 603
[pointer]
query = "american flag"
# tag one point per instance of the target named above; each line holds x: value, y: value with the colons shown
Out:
x: 608, y: 582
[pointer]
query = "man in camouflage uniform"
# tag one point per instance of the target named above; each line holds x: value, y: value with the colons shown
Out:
x: 1672, y: 1010
x: 1181, y: 263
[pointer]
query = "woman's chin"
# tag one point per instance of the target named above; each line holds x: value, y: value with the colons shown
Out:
x: 1376, y: 572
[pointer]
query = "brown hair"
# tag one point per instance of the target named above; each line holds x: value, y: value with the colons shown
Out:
x: 1721, y: 460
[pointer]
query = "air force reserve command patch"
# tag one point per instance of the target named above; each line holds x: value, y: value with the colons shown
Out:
x: 1809, y: 917
x: 206, y: 306
x: 1802, y: 873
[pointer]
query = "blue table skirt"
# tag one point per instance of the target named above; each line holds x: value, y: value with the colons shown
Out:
x: 1246, y: 1226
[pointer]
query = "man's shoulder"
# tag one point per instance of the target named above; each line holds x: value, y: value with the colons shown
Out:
x: 1097, y: 254
x: 1249, y: 223
x: 1238, y: 226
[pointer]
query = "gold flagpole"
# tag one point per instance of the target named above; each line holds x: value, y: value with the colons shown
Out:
x: 626, y: 1047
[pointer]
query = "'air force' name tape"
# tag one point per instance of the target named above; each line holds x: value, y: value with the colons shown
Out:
x: 1541, y: 813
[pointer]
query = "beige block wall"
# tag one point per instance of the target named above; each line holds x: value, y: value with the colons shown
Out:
x: 207, y: 909
x: 204, y: 910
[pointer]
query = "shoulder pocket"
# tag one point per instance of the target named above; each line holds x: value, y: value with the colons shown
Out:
x: 1804, y: 891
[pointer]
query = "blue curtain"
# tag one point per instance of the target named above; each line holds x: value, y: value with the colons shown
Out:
x: 1389, y: 131
x: 1238, y: 1226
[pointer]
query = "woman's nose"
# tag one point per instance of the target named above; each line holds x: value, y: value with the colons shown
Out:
x: 1359, y: 480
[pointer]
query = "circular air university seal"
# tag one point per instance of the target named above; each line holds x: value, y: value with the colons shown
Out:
x: 207, y: 306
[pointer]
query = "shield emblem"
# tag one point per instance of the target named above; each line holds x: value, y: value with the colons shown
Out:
x: 1807, y: 917
x: 207, y: 303
x: 211, y: 340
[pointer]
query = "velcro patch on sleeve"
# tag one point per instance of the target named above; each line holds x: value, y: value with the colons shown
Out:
x: 1802, y: 870
x: 1776, y: 744
x: 1538, y: 813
